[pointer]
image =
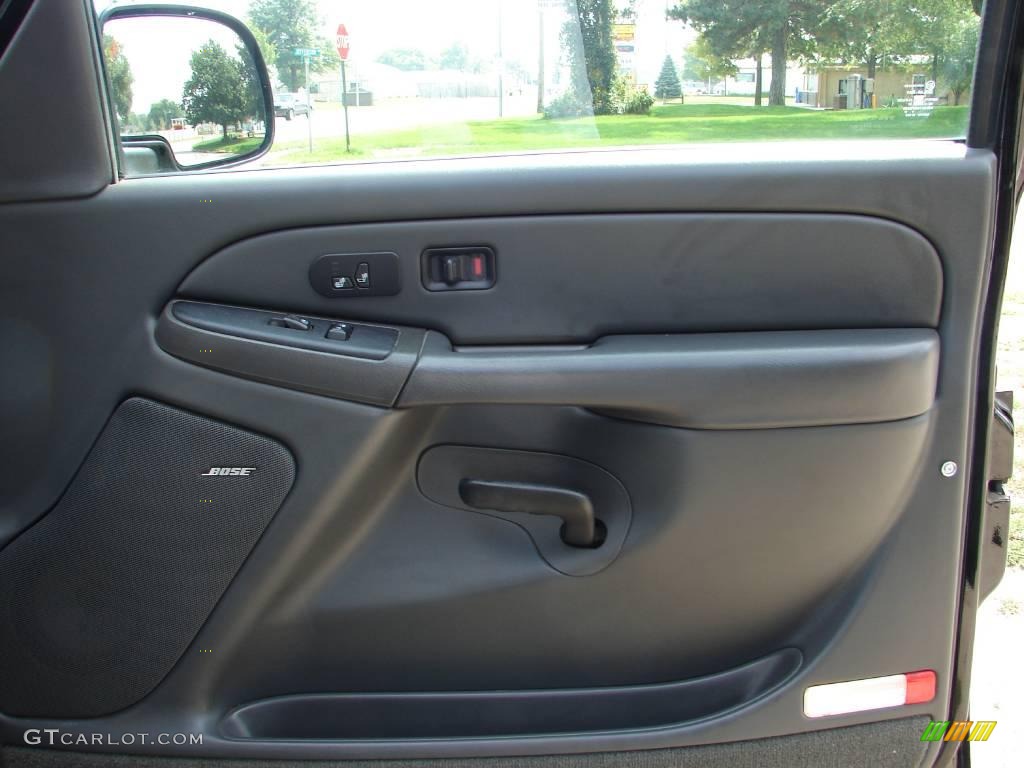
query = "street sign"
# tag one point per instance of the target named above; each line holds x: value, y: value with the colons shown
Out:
x: 306, y: 52
x: 342, y: 42
x: 624, y: 32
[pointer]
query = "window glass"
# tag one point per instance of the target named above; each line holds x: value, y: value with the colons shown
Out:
x: 393, y: 79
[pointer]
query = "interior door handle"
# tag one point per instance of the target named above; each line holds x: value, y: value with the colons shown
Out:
x: 576, y: 510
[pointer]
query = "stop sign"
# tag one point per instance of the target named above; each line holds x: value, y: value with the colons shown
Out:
x: 341, y: 41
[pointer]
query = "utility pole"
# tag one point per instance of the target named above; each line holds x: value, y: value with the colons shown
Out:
x: 307, y: 54
x: 501, y: 68
x: 540, y: 58
x: 344, y: 106
x: 341, y: 42
x: 309, y: 111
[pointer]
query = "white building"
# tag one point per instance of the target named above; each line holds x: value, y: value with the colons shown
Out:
x: 743, y: 82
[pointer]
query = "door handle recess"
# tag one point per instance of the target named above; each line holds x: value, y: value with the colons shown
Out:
x: 580, y: 527
x: 464, y: 476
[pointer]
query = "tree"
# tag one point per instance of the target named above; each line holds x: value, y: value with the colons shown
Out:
x: 667, y: 85
x: 120, y: 73
x: 455, y: 56
x: 862, y: 32
x: 287, y: 25
x: 222, y: 89
x: 587, y: 39
x: 957, y: 69
x: 161, y: 113
x: 266, y: 46
x: 939, y: 27
x: 405, y: 59
x: 869, y: 32
x: 700, y: 63
x: 136, y: 123
x: 733, y: 28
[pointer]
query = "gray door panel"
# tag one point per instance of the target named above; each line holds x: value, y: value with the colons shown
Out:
x: 744, y: 366
x: 744, y: 543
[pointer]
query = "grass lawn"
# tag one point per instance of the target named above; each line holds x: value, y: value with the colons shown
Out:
x: 667, y: 124
x: 234, y: 145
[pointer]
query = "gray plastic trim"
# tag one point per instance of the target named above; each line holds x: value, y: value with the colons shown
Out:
x: 54, y: 139
x: 360, y: 380
x: 495, y: 714
x: 701, y: 381
x: 372, y: 342
x: 139, y: 161
x: 574, y: 279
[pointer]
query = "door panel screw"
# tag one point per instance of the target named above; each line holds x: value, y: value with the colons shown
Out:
x: 948, y: 468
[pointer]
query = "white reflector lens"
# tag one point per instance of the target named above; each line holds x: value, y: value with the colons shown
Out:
x: 855, y: 696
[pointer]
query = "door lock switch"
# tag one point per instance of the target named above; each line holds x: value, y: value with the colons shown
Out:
x: 339, y: 331
x: 291, y: 321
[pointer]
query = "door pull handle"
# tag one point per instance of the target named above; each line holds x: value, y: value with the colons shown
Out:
x: 580, y: 527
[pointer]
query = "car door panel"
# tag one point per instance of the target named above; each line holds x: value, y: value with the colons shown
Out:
x: 380, y: 589
x: 753, y: 363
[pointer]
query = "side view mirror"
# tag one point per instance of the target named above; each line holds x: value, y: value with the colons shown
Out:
x: 187, y: 87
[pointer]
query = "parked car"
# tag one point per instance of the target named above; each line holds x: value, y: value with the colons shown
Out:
x: 287, y: 105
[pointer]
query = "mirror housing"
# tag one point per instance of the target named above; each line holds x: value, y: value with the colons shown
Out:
x: 132, y: 148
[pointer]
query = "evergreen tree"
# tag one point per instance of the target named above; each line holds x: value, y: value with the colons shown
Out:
x: 667, y: 85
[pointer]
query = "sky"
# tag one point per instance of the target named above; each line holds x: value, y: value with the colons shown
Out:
x: 159, y: 59
x: 158, y: 51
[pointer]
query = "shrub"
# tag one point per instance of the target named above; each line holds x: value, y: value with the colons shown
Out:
x: 622, y: 99
x: 567, y: 105
x: 638, y: 103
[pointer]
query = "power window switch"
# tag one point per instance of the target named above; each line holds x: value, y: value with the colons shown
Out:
x: 339, y: 331
x: 291, y: 321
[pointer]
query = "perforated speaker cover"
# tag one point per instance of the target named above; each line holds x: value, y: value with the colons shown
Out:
x: 102, y: 596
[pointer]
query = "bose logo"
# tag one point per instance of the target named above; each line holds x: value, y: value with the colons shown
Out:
x: 228, y: 471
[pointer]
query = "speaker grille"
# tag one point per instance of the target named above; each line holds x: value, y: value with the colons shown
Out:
x: 100, y: 598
